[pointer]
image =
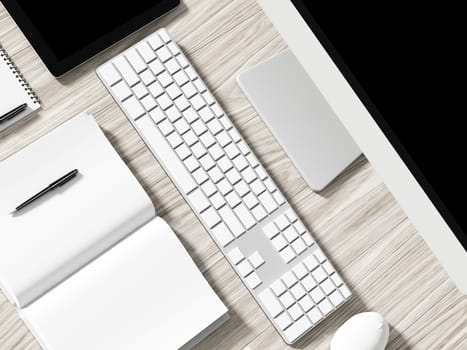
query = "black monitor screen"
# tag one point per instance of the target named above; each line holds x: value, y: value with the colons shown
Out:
x: 406, y: 65
x: 68, y: 27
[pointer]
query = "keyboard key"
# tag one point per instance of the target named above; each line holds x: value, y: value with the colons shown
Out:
x: 109, y: 74
x: 245, y: 216
x: 257, y: 187
x: 147, y: 77
x: 253, y: 280
x: 298, y: 246
x: 337, y: 280
x: 216, y: 152
x: 223, y: 138
x: 182, y: 126
x: 290, y: 234
x: 236, y: 255
x: 300, y: 271
x: 270, y: 302
x: 182, y: 61
x: 135, y: 60
x: 173, y: 48
x: 278, y: 287
x: 315, y: 315
x: 217, y: 200
x: 327, y: 286
x: 183, y: 152
x: 308, y: 240
x: 198, y: 200
x: 232, y: 151
x: 157, y: 67
x: 298, y: 291
x: 233, y: 199
x: 245, y: 268
x: 199, y: 127
x: 140, y: 90
x: 317, y: 295
x: 181, y: 78
x: 241, y: 187
x: 250, y: 200
x: 282, y: 222
x: 207, y: 139
x: 133, y: 108
x: 289, y: 279
x: 215, y: 174
x: 267, y: 201
x: 198, y: 102
x: 156, y: 89
x: 174, y: 91
x: 306, y: 303
x: 172, y: 66
x: 200, y: 176
x: 155, y: 41
x: 224, y: 187
x: 165, y: 127
x: 271, y: 230
x: 231, y: 221
x: 164, y: 101
x: 287, y: 299
x: 278, y: 197
x: 165, y: 79
x: 121, y: 91
x: 182, y: 103
x: 190, y: 138
x: 288, y: 254
x: 320, y: 256
x: 283, y: 320
x: 325, y: 306
x: 295, y: 312
x: 126, y: 70
x: 175, y: 140
x: 215, y: 126
x: 328, y: 268
x: 225, y: 164
x: 249, y: 175
x: 232, y: 175
x: 311, y: 263
x: 345, y: 291
x: 259, y: 213
x: 256, y: 259
x: 191, y: 163
x: 207, y: 162
x: 336, y: 298
x: 309, y: 283
x: 164, y: 35
x: 209, y: 188
x: 148, y: 102
x: 297, y: 329
x: 146, y: 51
x: 319, y: 274
x: 163, y: 53
x: 210, y: 217
x: 173, y: 114
x: 279, y: 242
x: 222, y: 234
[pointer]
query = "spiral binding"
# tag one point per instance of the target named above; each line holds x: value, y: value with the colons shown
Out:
x: 18, y: 75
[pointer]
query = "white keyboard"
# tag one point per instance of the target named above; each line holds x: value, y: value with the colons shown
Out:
x: 225, y: 185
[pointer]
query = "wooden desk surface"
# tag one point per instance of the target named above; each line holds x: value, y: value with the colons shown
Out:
x: 356, y: 220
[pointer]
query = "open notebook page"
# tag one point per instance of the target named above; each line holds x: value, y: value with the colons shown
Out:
x: 59, y: 234
x: 144, y: 293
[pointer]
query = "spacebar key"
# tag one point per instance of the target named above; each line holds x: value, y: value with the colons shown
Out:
x: 165, y: 154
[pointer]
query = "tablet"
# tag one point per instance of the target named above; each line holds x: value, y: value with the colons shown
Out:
x: 66, y: 34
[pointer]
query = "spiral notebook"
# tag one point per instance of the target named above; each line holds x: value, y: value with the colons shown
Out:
x: 14, y: 90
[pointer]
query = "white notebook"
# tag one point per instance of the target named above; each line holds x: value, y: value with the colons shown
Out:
x: 91, y: 266
x: 14, y: 90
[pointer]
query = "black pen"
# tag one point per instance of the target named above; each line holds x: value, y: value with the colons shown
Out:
x: 13, y: 113
x: 53, y: 186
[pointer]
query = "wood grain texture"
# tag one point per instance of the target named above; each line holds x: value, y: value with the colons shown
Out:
x: 356, y: 220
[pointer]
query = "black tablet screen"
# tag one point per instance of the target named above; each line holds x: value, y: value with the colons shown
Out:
x: 68, y: 27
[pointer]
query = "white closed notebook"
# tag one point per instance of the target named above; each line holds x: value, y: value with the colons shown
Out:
x: 90, y: 266
x: 14, y: 91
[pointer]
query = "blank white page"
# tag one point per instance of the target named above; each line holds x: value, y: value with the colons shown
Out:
x: 57, y: 235
x: 145, y: 293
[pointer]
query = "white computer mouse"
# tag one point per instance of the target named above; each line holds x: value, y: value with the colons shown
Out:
x: 365, y: 331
